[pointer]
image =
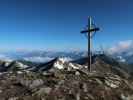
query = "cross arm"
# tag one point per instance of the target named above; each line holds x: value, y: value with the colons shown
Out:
x: 91, y: 30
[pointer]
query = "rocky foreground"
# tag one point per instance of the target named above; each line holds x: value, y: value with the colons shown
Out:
x: 69, y: 82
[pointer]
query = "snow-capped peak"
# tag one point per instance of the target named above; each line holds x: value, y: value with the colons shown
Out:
x: 59, y: 63
x: 64, y: 63
x: 23, y: 66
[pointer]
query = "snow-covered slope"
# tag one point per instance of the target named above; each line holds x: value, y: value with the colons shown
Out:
x: 63, y: 63
x: 60, y: 64
x: 11, y: 65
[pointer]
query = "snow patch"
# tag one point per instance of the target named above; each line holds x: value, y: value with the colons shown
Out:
x: 60, y: 64
x: 22, y: 65
x: 63, y: 63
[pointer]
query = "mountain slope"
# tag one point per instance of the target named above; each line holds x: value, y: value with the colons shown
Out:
x: 67, y: 80
x: 57, y: 64
x: 12, y: 66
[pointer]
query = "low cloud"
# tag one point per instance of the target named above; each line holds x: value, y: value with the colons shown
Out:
x: 4, y: 57
x: 121, y: 47
x: 38, y: 59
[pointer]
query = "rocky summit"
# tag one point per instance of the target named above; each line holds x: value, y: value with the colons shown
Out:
x: 60, y: 79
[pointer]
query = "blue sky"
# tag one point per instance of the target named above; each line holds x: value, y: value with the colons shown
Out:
x: 56, y: 24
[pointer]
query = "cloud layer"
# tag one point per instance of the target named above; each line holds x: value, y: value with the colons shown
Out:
x: 121, y: 47
x: 38, y: 59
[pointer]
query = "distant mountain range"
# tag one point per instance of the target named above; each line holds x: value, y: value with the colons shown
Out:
x: 99, y: 61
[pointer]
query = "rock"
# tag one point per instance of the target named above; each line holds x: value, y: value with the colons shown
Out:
x: 129, y: 97
x: 36, y: 83
x: 44, y: 90
x: 13, y: 98
x: 113, y: 82
x: 1, y: 91
x: 77, y: 73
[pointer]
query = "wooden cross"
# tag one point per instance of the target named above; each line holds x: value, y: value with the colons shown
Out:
x: 90, y: 31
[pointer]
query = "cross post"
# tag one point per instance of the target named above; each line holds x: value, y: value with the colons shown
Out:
x: 89, y: 31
